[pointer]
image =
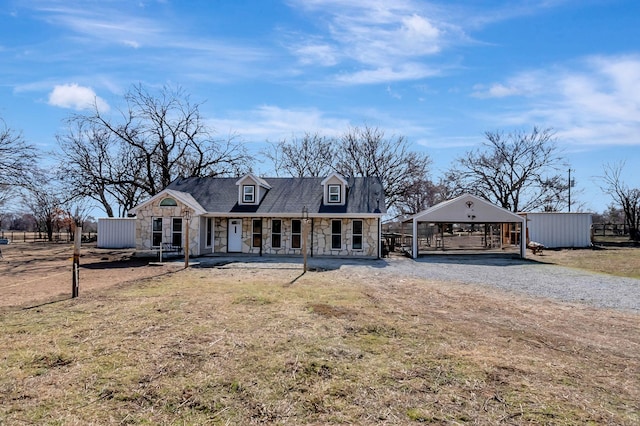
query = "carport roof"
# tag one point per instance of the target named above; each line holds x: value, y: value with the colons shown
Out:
x: 466, y: 208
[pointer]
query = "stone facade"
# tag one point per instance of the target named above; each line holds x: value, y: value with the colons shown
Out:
x: 318, y: 242
x: 144, y: 226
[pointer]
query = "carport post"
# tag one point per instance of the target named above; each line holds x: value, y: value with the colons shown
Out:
x: 523, y: 238
x: 414, y: 243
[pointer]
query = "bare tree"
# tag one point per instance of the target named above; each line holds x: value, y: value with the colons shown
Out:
x: 310, y: 155
x: 17, y: 159
x: 94, y: 165
x: 518, y: 171
x: 360, y: 151
x: 157, y: 138
x: 422, y: 195
x: 366, y: 151
x: 628, y: 198
x: 44, y: 203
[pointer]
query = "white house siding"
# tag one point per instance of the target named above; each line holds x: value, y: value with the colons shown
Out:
x: 559, y: 230
x: 116, y: 232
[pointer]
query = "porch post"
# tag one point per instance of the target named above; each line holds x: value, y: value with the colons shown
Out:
x: 187, y: 216
x: 305, y: 236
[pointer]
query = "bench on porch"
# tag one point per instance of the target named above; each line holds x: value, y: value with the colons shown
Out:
x: 168, y: 249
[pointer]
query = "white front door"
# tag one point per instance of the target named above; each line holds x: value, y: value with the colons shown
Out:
x: 235, y: 236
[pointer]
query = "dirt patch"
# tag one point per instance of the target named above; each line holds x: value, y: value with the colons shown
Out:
x: 37, y: 273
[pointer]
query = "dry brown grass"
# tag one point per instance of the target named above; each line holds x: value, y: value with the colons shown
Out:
x: 37, y: 273
x: 250, y: 346
x: 624, y: 262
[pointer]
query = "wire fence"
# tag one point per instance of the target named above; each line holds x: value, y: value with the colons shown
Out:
x: 610, y: 229
x: 35, y: 237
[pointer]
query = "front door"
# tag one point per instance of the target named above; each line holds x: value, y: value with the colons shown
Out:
x: 235, y: 236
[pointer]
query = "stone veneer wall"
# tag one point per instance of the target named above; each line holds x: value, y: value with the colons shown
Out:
x: 145, y: 216
x: 321, y: 239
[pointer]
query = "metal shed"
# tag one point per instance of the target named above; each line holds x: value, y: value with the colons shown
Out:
x: 116, y: 232
x: 560, y: 230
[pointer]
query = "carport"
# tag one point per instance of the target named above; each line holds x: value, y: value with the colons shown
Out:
x: 467, y: 224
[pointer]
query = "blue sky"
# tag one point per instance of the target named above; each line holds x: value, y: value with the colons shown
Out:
x: 440, y: 73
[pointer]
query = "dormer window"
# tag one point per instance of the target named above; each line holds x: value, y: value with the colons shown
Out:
x: 334, y: 190
x: 251, y: 190
x: 248, y: 193
x: 334, y: 194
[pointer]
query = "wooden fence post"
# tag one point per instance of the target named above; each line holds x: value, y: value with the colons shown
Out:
x: 75, y: 280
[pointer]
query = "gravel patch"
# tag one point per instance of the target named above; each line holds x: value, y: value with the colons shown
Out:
x: 531, y: 278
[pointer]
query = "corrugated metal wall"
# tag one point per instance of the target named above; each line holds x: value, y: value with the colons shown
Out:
x: 557, y: 230
x: 116, y: 232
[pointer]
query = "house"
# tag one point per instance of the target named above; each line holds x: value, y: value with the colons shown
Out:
x: 265, y: 216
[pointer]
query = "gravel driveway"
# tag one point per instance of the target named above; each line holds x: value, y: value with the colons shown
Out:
x: 511, y: 274
x: 532, y: 278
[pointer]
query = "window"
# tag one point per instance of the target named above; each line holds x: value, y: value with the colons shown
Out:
x: 296, y: 231
x: 209, y: 235
x: 156, y: 232
x: 336, y: 234
x: 176, y: 232
x: 168, y: 202
x: 256, y: 241
x: 334, y: 193
x: 357, y: 235
x: 276, y: 233
x: 248, y: 194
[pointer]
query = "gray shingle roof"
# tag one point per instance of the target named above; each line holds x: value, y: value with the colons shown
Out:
x: 286, y: 196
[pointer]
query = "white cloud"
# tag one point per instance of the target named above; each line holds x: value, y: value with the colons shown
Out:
x: 316, y: 54
x: 76, y: 97
x: 270, y: 122
x: 380, y: 41
x: 393, y: 93
x: 527, y: 83
x: 408, y: 71
x: 593, y: 101
x: 104, y: 24
x: 131, y: 43
x: 497, y: 90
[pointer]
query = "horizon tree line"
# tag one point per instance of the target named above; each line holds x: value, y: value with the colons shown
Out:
x: 118, y: 160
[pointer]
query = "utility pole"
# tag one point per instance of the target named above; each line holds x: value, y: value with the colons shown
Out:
x: 569, y: 185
